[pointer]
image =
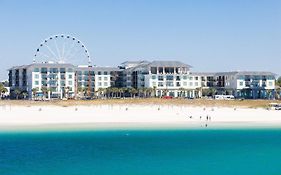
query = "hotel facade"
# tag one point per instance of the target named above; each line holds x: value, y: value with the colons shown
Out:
x: 166, y: 78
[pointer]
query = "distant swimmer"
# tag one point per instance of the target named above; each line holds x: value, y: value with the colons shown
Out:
x: 206, y: 125
x: 200, y: 117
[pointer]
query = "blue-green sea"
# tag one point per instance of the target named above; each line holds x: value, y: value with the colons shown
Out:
x: 142, y: 152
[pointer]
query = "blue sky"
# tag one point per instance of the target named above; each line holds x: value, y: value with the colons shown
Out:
x: 212, y: 35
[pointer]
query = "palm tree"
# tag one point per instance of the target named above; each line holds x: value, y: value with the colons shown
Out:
x: 149, y: 91
x: 24, y: 94
x: 154, y: 91
x: 45, y: 91
x: 165, y: 92
x: 182, y: 90
x: 278, y: 92
x: 278, y: 82
x: 134, y: 92
x: 17, y: 92
x: 3, y: 90
x: 34, y: 92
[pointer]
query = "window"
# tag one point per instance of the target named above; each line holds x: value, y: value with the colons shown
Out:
x: 153, y: 70
x: 105, y: 78
x: 160, y: 78
x: 99, y: 84
x: 170, y: 77
x: 160, y: 84
x: 153, y: 77
x: 62, y: 70
x: 184, y: 77
x: 196, y: 78
x: 36, y: 69
x: 105, y: 84
x: 196, y: 83
x: 153, y: 84
x: 62, y: 76
x: 170, y: 84
x: 44, y: 70
x: 184, y: 83
x: 190, y: 84
x: 70, y: 76
x: 99, y: 78
x: 86, y: 73
x: 178, y: 84
x: 70, y: 83
x: 62, y: 83
x: 241, y: 83
x: 190, y: 78
x: 99, y: 72
x: 105, y: 73
x: 69, y: 70
x: 270, y: 83
x: 36, y: 83
x: 53, y: 70
x: 36, y: 76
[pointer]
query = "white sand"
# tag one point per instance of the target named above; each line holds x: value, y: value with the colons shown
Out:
x: 135, y: 115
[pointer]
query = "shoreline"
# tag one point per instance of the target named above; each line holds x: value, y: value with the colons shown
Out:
x: 134, y: 116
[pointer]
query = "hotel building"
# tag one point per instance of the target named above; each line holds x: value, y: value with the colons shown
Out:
x: 166, y: 78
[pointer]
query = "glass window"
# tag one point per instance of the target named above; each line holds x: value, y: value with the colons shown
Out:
x: 105, y: 78
x: 169, y: 84
x: 190, y: 84
x: 270, y: 83
x: 99, y: 78
x: 105, y: 73
x: 99, y: 83
x: 184, y: 77
x: 36, y: 76
x: 44, y: 70
x: 190, y: 78
x: 241, y: 83
x: 69, y: 70
x: 153, y: 77
x: 196, y: 83
x: 53, y: 70
x: 99, y: 72
x: 70, y: 76
x: 160, y: 84
x: 36, y: 69
x: 70, y: 83
x: 105, y: 84
x: 196, y: 78
x: 62, y: 70
x: 170, y: 77
x: 184, y: 83
x: 160, y: 78
x: 36, y: 83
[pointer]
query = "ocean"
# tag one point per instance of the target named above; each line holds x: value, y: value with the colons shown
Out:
x: 142, y: 152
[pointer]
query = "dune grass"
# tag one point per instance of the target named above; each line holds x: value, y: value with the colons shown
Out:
x: 147, y: 101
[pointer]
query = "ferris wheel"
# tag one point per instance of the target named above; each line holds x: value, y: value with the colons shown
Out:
x: 62, y: 49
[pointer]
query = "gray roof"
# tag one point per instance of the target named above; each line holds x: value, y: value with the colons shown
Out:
x: 168, y: 64
x: 203, y: 73
x: 134, y: 62
x: 96, y: 68
x: 48, y: 65
x: 243, y: 73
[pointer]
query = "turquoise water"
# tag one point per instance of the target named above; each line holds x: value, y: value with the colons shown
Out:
x: 178, y: 152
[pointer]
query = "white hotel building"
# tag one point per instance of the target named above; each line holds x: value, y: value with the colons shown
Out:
x: 171, y: 78
x: 61, y: 80
x: 166, y: 78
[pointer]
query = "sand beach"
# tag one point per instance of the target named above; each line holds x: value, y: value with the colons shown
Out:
x: 134, y: 115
